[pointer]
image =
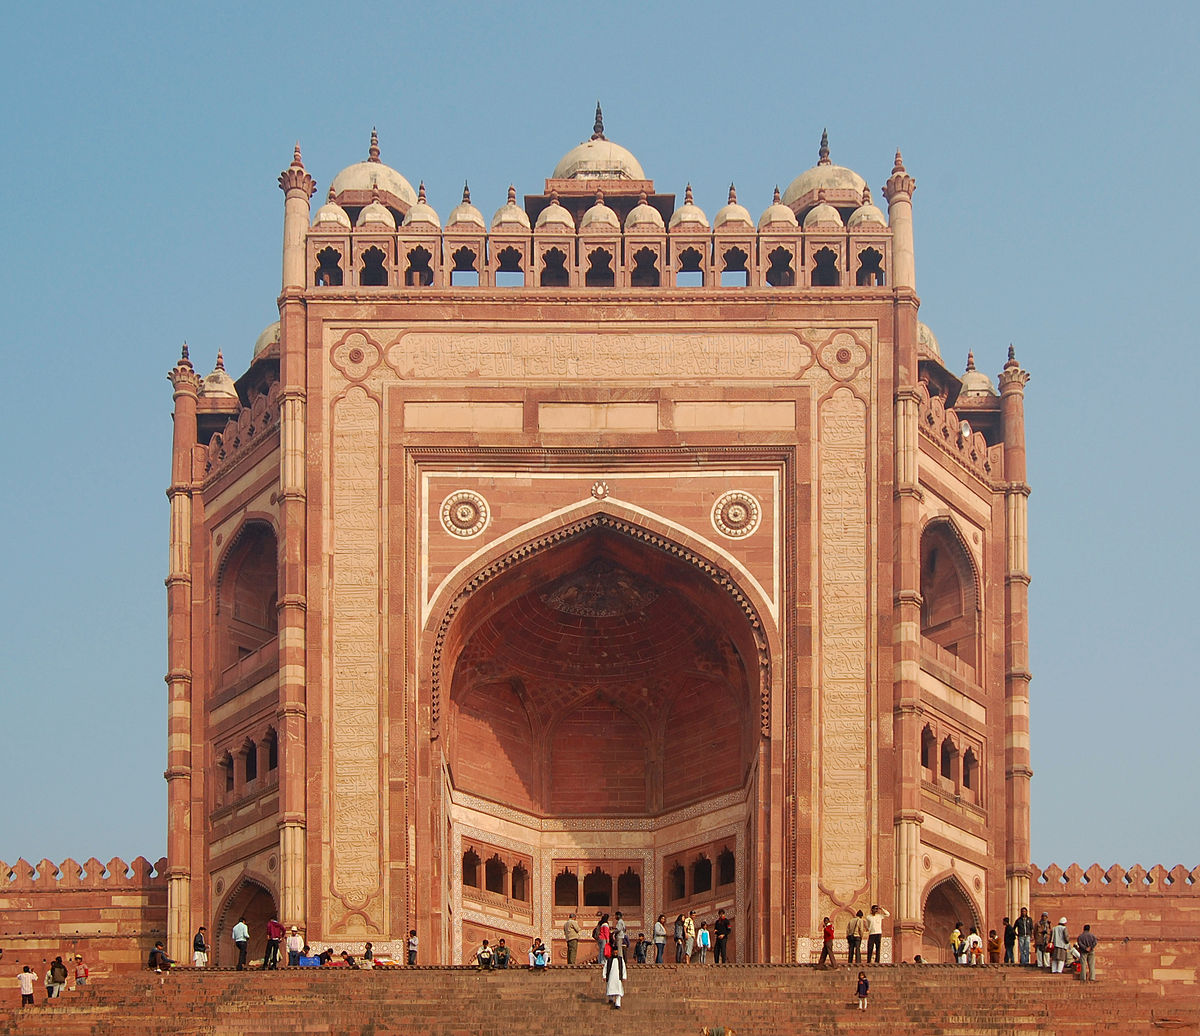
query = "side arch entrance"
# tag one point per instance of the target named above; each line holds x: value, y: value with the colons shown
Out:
x: 253, y: 901
x: 601, y: 731
x: 946, y: 902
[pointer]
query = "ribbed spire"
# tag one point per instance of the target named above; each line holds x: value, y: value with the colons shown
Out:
x: 899, y: 165
x: 466, y: 193
x: 373, y: 150
x: 866, y: 198
x: 421, y: 193
x: 732, y: 195
x: 220, y: 361
x: 823, y: 154
x: 1012, y: 357
x: 687, y: 195
x: 970, y: 360
x: 297, y: 162
x: 512, y: 194
x: 641, y: 197
x: 775, y: 200
x: 598, y: 127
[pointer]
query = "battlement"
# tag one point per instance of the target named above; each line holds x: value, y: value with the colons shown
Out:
x: 252, y: 424
x: 1157, y: 881
x: 951, y: 432
x: 116, y: 874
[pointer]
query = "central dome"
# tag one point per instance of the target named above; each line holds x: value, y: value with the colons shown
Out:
x: 598, y: 159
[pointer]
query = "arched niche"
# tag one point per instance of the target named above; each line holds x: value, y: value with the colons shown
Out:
x: 946, y: 901
x: 252, y: 899
x: 949, y: 593
x: 247, y: 594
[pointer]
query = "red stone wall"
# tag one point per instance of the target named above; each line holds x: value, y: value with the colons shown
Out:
x: 1147, y: 922
x: 112, y: 914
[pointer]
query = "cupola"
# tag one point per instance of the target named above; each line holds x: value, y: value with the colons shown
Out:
x: 464, y: 214
x: 843, y: 187
x: 354, y: 184
x: 644, y: 218
x: 777, y: 216
x: 510, y: 216
x: 689, y: 215
x: 598, y: 158
x: 975, y: 383
x: 866, y: 215
x: 331, y: 216
x: 600, y: 216
x: 218, y: 384
x: 555, y: 217
x: 732, y: 213
x: 422, y: 214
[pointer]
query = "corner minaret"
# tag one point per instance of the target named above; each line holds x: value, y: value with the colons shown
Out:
x: 1018, y: 772
x: 899, y: 191
x: 298, y: 188
x: 186, y: 383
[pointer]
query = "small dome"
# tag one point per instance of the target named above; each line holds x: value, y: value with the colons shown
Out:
x: 555, y: 217
x: 842, y: 184
x: 331, y: 216
x: 866, y: 214
x: 975, y: 383
x: 376, y: 215
x: 927, y: 344
x: 374, y: 175
x: 644, y: 217
x: 267, y: 340
x: 732, y: 213
x: 824, y: 215
x: 600, y: 216
x: 777, y: 215
x: 688, y: 214
x: 598, y: 159
x: 465, y: 214
x: 219, y: 384
x: 510, y: 216
x: 422, y: 213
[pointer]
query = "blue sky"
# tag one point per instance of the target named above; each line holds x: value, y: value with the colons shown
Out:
x: 1055, y: 149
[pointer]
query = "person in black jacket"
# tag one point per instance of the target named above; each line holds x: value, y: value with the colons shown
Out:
x: 200, y: 947
x: 159, y: 960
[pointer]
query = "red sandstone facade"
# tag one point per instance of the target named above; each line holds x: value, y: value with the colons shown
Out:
x: 597, y: 557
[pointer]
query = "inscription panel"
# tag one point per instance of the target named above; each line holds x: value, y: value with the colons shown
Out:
x: 354, y: 734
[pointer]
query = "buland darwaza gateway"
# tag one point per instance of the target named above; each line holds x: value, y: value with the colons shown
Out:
x: 597, y: 556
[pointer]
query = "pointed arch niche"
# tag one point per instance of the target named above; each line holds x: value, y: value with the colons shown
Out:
x: 602, y: 679
x: 950, y: 608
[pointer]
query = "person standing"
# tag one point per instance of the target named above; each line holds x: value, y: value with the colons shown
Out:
x: 827, y: 946
x: 571, y: 934
x: 25, y: 981
x: 241, y: 939
x: 1041, y: 940
x: 200, y: 948
x: 875, y: 931
x: 679, y: 939
x: 295, y: 943
x: 640, y: 949
x: 1060, y: 945
x: 1024, y: 929
x: 49, y: 980
x: 660, y: 938
x: 274, y: 935
x: 601, y: 934
x: 974, y: 944
x: 854, y: 936
x: 689, y: 936
x: 993, y: 947
x: 703, y: 941
x: 614, y: 976
x: 622, y: 940
x: 58, y: 971
x: 1087, y: 954
x: 861, y: 990
x: 1010, y: 941
x: 721, y: 931
x: 81, y: 971
x: 412, y: 947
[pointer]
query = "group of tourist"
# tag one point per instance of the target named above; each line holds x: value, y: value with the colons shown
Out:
x: 859, y: 927
x: 693, y: 939
x: 57, y: 974
x: 1032, y: 943
x: 299, y: 953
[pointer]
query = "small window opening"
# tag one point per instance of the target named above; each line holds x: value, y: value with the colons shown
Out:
x: 735, y: 274
x: 470, y: 869
x: 227, y: 765
x: 825, y: 271
x: 374, y: 274
x: 509, y: 272
x: 726, y: 871
x: 494, y: 873
x: 870, y: 269
x: 928, y: 749
x: 566, y: 889
x: 691, y: 271
x: 970, y: 769
x: 645, y: 269
x: 251, y: 761
x: 597, y: 889
x: 948, y: 755
x: 520, y: 883
x: 780, y: 273
x: 600, y: 272
x: 629, y: 889
x: 554, y: 270
x: 464, y: 273
x: 419, y: 273
x: 701, y: 875
x: 329, y: 272
x: 272, y: 751
x: 676, y: 882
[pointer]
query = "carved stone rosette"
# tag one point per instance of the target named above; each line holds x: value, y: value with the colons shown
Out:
x: 736, y: 514
x: 465, y: 514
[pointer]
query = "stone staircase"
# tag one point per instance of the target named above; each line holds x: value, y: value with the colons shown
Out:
x: 753, y: 1000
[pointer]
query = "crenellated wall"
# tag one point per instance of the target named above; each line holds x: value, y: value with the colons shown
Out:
x: 1147, y: 921
x: 111, y: 913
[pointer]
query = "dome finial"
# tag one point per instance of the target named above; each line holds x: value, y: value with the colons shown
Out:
x: 866, y: 198
x: 1012, y: 358
x: 512, y: 194
x: 641, y: 197
x: 599, y: 196
x: 775, y: 200
x: 554, y: 197
x: 421, y: 193
x: 732, y: 195
x: 687, y: 195
x: 598, y: 128
x: 899, y: 165
x: 183, y: 353
x: 373, y: 150
x: 823, y: 154
x: 466, y: 193
x: 330, y: 196
x: 297, y: 162
x: 970, y: 360
x: 220, y: 361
